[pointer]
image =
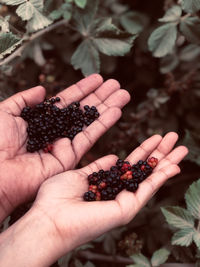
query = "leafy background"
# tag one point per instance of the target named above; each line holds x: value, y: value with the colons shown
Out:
x: 153, y: 49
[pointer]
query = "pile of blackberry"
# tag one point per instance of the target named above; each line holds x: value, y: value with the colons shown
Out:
x: 105, y: 185
x: 47, y: 122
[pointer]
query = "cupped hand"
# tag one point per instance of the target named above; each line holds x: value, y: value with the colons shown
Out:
x: 60, y: 198
x: 21, y: 173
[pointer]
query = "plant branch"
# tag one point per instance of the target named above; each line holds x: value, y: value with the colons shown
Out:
x: 34, y: 36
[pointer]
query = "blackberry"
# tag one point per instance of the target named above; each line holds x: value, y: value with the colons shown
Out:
x: 105, y: 185
x: 47, y: 122
x: 89, y: 196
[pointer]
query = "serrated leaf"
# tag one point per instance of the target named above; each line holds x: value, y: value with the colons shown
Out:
x: 81, y: 3
x: 86, y: 58
x: 178, y: 217
x: 8, y: 43
x: 192, y: 198
x: 191, y: 6
x: 159, y: 257
x: 84, y: 18
x: 12, y: 2
x: 183, y: 237
x: 196, y: 238
x: 38, y: 22
x: 114, y: 46
x: 64, y: 11
x: 109, y: 40
x: 25, y: 11
x: 102, y: 25
x: 162, y: 40
x: 172, y: 14
x: 141, y: 260
x: 133, y: 22
x: 190, y: 27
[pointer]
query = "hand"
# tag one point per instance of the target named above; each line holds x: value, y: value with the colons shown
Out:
x: 60, y: 199
x: 21, y: 173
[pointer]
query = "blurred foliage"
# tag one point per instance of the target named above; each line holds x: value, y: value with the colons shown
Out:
x: 153, y: 49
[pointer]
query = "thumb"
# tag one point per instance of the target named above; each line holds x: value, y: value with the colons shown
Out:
x: 17, y: 102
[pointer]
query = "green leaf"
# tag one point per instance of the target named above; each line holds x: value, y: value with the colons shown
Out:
x: 196, y: 238
x: 38, y: 22
x: 109, y: 40
x: 172, y: 14
x: 84, y: 18
x: 162, y: 40
x: 8, y: 43
x: 192, y: 198
x: 191, y: 6
x: 25, y: 11
x: 159, y: 257
x: 86, y: 58
x: 12, y: 2
x: 178, y: 217
x: 133, y: 22
x: 56, y: 14
x: 191, y: 140
x: 64, y: 11
x: 141, y: 260
x: 81, y: 3
x: 190, y: 27
x: 183, y: 237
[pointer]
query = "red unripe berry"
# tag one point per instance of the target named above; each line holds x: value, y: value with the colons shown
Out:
x: 102, y: 185
x: 152, y: 162
x: 93, y: 188
x: 142, y: 167
x: 125, y: 167
x: 98, y: 196
x: 48, y: 148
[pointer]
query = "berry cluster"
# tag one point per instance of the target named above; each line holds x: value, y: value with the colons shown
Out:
x: 47, y: 122
x: 105, y: 185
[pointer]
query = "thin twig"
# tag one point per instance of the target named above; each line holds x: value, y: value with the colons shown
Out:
x: 34, y: 36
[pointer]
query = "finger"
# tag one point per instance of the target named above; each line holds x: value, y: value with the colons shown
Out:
x: 103, y: 163
x: 118, y: 99
x: 145, y: 149
x: 86, y: 139
x: 165, y: 146
x: 115, y: 99
x: 17, y: 102
x: 175, y: 157
x: 79, y: 90
x: 130, y: 203
x: 101, y: 93
x: 83, y: 141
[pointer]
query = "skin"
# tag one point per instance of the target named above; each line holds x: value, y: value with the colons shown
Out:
x: 21, y: 173
x: 60, y: 220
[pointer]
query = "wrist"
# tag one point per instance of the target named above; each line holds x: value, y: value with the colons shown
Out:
x: 31, y: 241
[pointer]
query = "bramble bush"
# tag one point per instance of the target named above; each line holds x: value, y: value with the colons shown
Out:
x: 153, y: 49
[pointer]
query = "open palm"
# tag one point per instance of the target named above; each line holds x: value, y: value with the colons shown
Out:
x: 21, y: 173
x: 75, y: 221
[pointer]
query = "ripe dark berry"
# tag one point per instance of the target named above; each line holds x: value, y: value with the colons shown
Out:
x: 105, y: 185
x: 47, y: 122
